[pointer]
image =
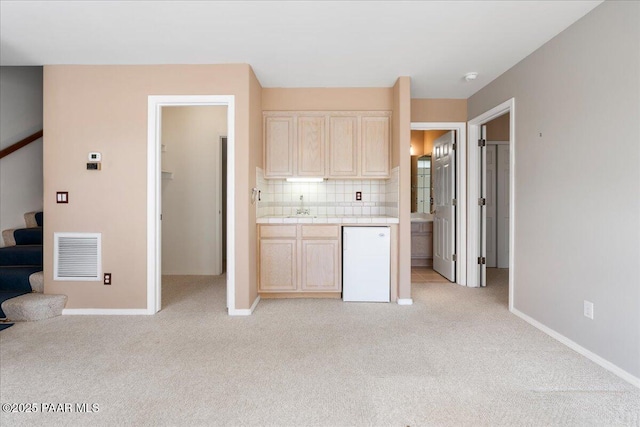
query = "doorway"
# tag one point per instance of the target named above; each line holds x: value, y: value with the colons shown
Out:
x: 455, y: 199
x: 497, y: 194
x: 477, y: 191
x: 154, y: 193
x: 192, y: 208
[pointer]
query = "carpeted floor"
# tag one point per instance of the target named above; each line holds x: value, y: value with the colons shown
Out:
x: 456, y: 357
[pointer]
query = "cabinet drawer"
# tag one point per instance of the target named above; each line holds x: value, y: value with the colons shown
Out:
x: 320, y: 231
x: 279, y: 231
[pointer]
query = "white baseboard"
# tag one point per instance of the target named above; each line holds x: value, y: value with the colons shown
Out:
x: 245, y: 311
x: 578, y: 348
x: 106, y: 311
x: 405, y: 301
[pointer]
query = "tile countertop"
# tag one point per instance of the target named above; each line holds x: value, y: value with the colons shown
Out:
x: 377, y: 219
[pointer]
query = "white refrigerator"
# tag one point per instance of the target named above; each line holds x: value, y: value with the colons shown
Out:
x: 366, y: 255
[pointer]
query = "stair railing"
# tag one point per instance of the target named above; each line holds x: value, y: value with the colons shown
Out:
x: 22, y: 143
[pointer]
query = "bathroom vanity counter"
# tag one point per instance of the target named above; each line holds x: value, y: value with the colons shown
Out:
x: 421, y: 217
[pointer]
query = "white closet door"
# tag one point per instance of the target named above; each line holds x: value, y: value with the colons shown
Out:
x: 492, y: 259
x: 503, y: 206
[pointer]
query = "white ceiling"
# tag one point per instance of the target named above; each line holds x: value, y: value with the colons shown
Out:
x: 294, y: 44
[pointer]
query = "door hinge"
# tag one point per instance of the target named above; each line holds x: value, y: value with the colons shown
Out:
x: 482, y: 142
x: 482, y: 260
x: 482, y: 201
x: 454, y: 202
x: 455, y: 146
x: 454, y: 257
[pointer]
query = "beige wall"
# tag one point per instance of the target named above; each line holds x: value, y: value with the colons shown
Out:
x: 104, y: 108
x: 498, y: 128
x: 191, y: 136
x: 347, y: 99
x: 438, y: 110
x: 402, y: 158
x: 577, y: 169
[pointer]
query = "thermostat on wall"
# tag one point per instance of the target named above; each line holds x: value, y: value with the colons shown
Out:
x: 95, y: 157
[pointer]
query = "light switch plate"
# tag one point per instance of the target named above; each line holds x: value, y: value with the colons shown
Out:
x: 62, y: 197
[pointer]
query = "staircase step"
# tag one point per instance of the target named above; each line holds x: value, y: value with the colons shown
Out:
x: 21, y: 255
x: 36, y: 280
x: 4, y: 296
x: 30, y: 307
x: 34, y: 219
x: 16, y: 278
x: 22, y: 236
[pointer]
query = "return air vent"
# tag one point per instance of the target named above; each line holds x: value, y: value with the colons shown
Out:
x: 77, y: 256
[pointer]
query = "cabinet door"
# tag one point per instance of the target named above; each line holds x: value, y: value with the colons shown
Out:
x: 278, y: 147
x: 422, y: 245
x: 343, y: 146
x: 321, y: 266
x: 277, y: 266
x: 375, y: 147
x: 311, y: 141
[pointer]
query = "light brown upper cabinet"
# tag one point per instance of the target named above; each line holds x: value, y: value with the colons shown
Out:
x: 343, y: 146
x: 375, y: 147
x: 279, y: 146
x: 329, y: 144
x: 311, y: 146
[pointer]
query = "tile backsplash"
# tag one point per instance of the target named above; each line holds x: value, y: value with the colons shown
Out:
x: 330, y: 197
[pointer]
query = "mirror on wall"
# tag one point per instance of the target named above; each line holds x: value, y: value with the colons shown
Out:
x: 421, y: 185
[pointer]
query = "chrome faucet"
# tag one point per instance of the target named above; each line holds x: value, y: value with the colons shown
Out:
x: 301, y: 210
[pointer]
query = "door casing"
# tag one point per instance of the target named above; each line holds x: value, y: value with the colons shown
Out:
x: 474, y: 192
x: 154, y: 186
x: 461, y: 176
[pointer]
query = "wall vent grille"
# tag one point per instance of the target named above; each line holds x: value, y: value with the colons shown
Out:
x: 77, y: 256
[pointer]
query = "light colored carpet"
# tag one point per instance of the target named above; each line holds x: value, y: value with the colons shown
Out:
x: 456, y: 357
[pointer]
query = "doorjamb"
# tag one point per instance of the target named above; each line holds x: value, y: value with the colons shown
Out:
x: 461, y: 176
x: 473, y: 249
x: 154, y: 186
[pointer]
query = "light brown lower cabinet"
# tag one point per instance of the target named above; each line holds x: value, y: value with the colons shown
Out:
x: 278, y: 262
x: 299, y: 259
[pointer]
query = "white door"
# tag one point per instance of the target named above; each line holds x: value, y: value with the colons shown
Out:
x: 503, y: 207
x: 492, y: 200
x: 443, y: 174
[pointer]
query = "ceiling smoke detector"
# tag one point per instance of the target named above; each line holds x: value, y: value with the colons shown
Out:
x: 470, y: 76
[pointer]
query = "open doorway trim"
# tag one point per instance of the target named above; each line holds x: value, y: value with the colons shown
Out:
x: 461, y: 171
x: 154, y: 186
x: 473, y: 268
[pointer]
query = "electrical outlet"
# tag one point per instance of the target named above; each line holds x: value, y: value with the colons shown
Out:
x: 588, y: 309
x: 358, y: 195
x: 107, y: 278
